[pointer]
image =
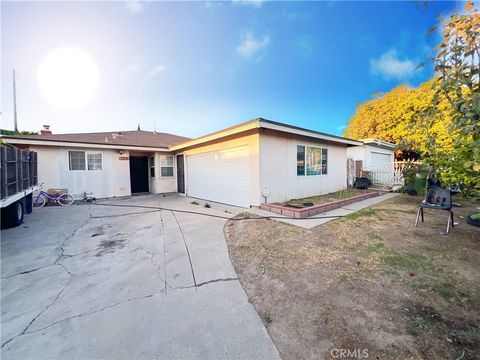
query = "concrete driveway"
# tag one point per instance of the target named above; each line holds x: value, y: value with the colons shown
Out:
x: 102, y: 282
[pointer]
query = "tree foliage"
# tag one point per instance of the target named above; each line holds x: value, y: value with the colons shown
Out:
x: 458, y: 67
x: 405, y: 116
x: 441, y: 118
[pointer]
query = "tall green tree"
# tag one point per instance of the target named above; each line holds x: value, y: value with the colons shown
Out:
x: 458, y: 67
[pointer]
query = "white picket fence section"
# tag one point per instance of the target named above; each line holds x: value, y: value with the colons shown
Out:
x: 387, y: 174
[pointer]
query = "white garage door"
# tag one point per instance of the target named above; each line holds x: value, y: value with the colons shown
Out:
x: 221, y: 176
x: 381, y: 168
x: 380, y: 159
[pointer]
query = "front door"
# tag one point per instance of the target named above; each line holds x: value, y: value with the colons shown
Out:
x: 180, y: 174
x: 139, y: 174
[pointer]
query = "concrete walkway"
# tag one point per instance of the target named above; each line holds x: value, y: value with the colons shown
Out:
x: 102, y: 282
x: 309, y: 223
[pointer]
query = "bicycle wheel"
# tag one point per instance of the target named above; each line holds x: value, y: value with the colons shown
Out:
x: 65, y: 199
x: 39, y: 202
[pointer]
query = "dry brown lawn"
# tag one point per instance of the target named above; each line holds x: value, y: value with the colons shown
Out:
x: 369, y: 281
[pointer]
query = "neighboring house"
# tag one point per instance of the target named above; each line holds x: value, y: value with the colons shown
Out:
x: 106, y: 164
x: 375, y: 157
x: 244, y: 165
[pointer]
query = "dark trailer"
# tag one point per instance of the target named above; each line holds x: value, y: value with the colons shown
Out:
x: 19, y: 179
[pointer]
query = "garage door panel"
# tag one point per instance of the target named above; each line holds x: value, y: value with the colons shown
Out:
x: 221, y: 176
x: 378, y: 159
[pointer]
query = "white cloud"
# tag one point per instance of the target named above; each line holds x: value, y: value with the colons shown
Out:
x: 254, y: 3
x: 157, y: 69
x: 133, y: 6
x: 249, y: 45
x: 391, y: 67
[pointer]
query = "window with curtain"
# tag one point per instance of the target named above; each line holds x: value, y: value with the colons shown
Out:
x: 166, y: 166
x: 76, y: 160
x: 85, y: 160
x: 300, y: 160
x: 94, y: 161
x: 311, y: 160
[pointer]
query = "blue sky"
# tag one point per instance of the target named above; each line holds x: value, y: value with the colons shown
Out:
x: 197, y: 67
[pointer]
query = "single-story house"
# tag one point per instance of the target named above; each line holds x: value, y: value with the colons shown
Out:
x: 248, y: 164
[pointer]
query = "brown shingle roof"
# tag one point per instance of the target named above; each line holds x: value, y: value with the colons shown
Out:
x: 127, y: 138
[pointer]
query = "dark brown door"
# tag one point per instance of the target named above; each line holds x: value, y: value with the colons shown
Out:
x: 139, y: 174
x: 180, y: 174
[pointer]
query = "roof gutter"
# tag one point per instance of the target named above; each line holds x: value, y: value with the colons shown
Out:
x: 80, y: 144
x: 379, y: 143
x: 266, y: 124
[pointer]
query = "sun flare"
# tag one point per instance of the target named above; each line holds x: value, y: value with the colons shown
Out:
x: 68, y: 77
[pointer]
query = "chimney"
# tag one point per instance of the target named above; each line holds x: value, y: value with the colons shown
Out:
x: 46, y: 130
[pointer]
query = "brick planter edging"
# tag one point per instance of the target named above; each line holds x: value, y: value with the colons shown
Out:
x: 316, y: 209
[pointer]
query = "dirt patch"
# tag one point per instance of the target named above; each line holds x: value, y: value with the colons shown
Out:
x: 367, y: 282
x: 327, y: 198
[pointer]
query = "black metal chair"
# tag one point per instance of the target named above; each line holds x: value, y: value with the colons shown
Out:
x: 437, y: 199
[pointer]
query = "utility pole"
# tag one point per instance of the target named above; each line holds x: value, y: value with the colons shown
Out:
x: 14, y: 104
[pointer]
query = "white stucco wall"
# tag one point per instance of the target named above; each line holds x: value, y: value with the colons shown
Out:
x: 357, y: 153
x: 250, y: 140
x: 278, y: 169
x: 112, y: 180
x: 161, y: 184
x: 364, y: 153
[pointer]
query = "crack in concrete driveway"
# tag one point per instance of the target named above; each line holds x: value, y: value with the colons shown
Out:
x: 103, y: 282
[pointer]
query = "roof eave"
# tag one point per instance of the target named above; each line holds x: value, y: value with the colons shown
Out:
x: 60, y: 143
x: 269, y: 124
x: 379, y: 143
x: 265, y: 124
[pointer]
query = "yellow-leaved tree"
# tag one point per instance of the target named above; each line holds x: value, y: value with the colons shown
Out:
x: 405, y: 116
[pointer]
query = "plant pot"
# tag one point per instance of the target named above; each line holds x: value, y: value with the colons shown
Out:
x: 472, y: 221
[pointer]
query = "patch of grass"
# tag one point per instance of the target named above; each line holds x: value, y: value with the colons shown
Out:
x: 420, y: 285
x: 440, y: 249
x: 344, y: 194
x: 359, y: 214
x: 446, y: 291
x: 419, y: 322
x: 390, y: 273
x: 408, y: 261
x: 469, y: 335
x: 268, y: 318
x: 195, y: 203
x: 374, y: 236
x: 375, y: 248
x: 450, y: 292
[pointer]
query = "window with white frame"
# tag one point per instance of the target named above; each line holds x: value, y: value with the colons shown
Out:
x: 76, y: 160
x: 85, y: 160
x: 311, y: 160
x: 94, y: 161
x: 151, y: 163
x: 166, y: 166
